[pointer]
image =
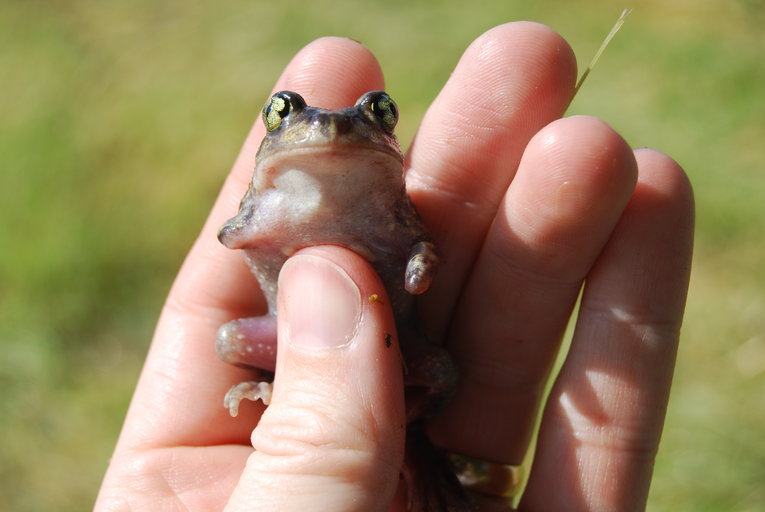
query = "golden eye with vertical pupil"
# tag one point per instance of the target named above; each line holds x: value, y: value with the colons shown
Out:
x: 279, y: 106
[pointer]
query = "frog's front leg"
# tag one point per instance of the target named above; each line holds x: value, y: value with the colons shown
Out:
x: 240, y: 231
x: 251, y: 343
x: 420, y: 268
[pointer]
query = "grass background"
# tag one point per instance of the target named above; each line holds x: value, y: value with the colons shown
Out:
x: 119, y: 121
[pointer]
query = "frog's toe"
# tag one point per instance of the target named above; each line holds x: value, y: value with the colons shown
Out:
x: 247, y: 391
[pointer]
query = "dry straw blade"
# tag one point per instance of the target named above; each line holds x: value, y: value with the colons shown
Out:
x: 603, y: 45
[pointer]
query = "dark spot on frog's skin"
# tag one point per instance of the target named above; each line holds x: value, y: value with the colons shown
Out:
x: 388, y: 341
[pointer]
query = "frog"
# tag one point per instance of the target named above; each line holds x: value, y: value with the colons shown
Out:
x: 336, y: 176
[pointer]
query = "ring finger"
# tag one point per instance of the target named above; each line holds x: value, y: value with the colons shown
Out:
x: 574, y: 180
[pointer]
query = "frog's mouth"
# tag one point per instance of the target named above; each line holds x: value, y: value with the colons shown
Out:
x: 333, y: 167
x: 332, y: 159
x: 359, y: 146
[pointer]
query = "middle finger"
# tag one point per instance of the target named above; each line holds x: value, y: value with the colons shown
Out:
x: 510, y: 82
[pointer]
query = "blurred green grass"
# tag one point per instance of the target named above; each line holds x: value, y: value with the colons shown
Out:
x: 119, y: 121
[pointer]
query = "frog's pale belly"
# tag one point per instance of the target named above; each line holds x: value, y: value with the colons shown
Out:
x: 354, y: 198
x: 336, y: 177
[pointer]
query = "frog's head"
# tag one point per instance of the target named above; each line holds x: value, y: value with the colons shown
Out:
x: 293, y: 125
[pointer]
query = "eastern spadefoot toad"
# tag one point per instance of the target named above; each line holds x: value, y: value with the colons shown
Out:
x: 336, y: 177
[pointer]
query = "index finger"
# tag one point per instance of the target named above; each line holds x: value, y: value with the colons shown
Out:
x: 178, y: 400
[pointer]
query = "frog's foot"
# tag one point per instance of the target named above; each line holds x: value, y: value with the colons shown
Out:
x: 248, y: 342
x: 247, y: 391
x: 431, y: 482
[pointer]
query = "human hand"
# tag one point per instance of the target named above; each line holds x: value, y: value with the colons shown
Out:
x: 523, y: 207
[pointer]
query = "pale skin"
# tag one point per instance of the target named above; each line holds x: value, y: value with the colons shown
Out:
x: 524, y: 206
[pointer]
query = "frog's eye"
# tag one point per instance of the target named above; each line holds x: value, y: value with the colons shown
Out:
x: 382, y: 107
x: 279, y: 106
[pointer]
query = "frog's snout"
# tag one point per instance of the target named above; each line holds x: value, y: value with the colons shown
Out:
x: 336, y: 124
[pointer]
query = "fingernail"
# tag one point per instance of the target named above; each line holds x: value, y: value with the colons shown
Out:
x: 322, y: 304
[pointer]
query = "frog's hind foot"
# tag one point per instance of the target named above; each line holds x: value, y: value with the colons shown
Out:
x: 432, y: 485
x: 247, y: 391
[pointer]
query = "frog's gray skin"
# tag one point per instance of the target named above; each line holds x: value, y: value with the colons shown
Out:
x: 336, y: 177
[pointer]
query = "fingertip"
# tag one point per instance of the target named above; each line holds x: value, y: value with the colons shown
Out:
x: 356, y: 266
x: 510, y: 82
x: 313, y: 71
x: 575, y: 171
x: 589, y: 143
x: 334, y: 428
x: 518, y: 75
x: 660, y: 171
x: 364, y: 367
x: 536, y: 43
x: 652, y: 245
x: 663, y: 205
x: 320, y: 304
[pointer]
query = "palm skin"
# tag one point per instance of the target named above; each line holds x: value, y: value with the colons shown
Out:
x: 525, y: 207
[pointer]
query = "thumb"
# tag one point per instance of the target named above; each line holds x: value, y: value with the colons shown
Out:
x: 333, y: 436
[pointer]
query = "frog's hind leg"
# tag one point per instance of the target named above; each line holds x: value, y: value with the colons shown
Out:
x: 431, y: 480
x: 430, y: 379
x: 250, y: 343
